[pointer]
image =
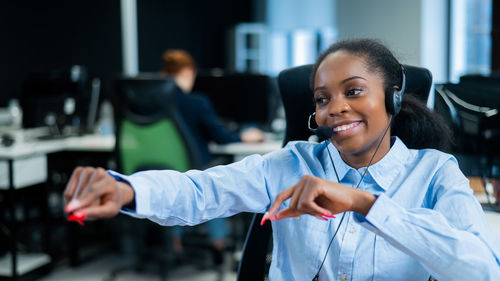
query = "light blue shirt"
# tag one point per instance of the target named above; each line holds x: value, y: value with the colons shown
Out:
x: 424, y: 222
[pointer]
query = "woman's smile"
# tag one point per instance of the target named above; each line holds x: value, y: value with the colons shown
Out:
x: 346, y: 129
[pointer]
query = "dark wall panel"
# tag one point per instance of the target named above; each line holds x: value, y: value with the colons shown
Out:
x: 41, y: 36
x: 198, y: 26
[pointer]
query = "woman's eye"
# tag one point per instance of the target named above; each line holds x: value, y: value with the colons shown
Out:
x: 353, y: 92
x: 321, y: 100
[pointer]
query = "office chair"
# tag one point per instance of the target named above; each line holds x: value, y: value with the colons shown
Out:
x: 150, y: 134
x: 297, y: 98
x: 471, y: 111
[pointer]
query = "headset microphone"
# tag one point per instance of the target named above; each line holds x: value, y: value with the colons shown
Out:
x: 323, y: 132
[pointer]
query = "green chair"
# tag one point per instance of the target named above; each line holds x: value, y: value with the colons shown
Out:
x: 150, y: 132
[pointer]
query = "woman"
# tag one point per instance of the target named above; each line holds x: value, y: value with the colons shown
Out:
x: 402, y: 214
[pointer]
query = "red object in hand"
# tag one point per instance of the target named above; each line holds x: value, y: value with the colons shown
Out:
x: 78, y: 217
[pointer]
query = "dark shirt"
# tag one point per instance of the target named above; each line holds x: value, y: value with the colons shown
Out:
x: 201, y: 118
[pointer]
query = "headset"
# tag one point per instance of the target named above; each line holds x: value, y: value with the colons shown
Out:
x: 393, y: 103
x: 394, y: 97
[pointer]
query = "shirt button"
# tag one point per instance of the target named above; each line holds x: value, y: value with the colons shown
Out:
x: 344, y: 276
x: 352, y: 230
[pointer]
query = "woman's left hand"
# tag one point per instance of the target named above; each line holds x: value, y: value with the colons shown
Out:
x: 320, y: 198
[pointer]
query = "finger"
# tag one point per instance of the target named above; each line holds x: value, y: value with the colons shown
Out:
x: 307, y: 202
x: 285, y: 213
x: 85, y: 177
x: 280, y: 198
x: 107, y: 210
x: 297, y: 194
x: 91, y: 191
x: 70, y: 187
x: 289, y: 213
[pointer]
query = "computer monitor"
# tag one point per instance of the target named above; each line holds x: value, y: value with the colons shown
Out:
x: 241, y: 98
x: 60, y: 98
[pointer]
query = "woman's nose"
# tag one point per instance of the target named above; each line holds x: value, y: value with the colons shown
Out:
x: 338, y: 106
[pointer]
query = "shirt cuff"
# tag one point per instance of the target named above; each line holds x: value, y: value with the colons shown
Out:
x: 140, y: 196
x: 378, y: 214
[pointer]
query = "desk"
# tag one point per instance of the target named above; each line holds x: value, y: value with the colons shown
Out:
x: 25, y: 164
x: 240, y: 150
x: 493, y: 219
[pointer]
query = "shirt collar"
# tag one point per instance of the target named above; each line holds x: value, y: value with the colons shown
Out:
x: 384, y: 172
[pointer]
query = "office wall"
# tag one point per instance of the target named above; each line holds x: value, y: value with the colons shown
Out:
x: 49, y: 35
x: 415, y: 30
x: 38, y: 36
x: 197, y: 26
x: 395, y: 22
x: 300, y: 14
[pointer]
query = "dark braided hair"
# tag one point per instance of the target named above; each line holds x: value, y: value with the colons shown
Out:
x: 416, y: 125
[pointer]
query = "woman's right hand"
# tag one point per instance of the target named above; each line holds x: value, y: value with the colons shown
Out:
x: 93, y: 194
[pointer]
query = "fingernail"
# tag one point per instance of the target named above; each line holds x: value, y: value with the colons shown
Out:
x: 328, y: 215
x: 72, y: 205
x: 78, y: 217
x: 263, y: 220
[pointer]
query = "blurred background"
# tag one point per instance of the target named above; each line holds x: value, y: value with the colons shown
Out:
x: 61, y: 62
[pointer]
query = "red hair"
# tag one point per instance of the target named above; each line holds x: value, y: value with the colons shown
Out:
x: 175, y: 60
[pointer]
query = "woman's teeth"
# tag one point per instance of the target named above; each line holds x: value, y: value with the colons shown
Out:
x: 344, y: 127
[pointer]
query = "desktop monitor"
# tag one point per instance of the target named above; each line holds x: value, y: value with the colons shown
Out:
x: 241, y: 98
x: 60, y: 98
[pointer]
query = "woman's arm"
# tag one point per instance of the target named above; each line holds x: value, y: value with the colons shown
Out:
x: 170, y: 197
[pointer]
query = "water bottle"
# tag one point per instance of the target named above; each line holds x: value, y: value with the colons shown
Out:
x: 16, y: 113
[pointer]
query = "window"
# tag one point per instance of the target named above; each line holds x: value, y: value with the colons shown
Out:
x: 470, y: 37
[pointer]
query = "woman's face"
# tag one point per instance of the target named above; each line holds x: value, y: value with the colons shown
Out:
x: 351, y: 100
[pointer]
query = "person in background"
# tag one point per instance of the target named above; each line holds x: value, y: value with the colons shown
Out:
x: 201, y: 118
x: 196, y: 108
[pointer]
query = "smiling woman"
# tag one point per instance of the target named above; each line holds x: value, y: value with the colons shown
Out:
x: 402, y: 213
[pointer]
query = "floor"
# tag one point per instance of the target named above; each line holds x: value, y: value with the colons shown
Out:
x: 99, y: 270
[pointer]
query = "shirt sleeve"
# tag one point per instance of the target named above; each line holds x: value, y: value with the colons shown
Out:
x: 169, y: 197
x: 452, y: 240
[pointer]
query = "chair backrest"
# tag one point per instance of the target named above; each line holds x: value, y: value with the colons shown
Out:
x: 471, y: 111
x: 297, y: 98
x: 150, y: 132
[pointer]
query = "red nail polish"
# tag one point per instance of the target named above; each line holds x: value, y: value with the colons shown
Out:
x: 78, y: 217
x: 327, y: 215
x: 263, y: 220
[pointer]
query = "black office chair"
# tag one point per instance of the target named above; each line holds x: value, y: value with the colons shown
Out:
x: 297, y: 98
x: 471, y: 110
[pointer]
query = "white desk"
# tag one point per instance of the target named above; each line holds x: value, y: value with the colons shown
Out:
x: 493, y: 219
x: 240, y: 150
x: 29, y: 158
x: 24, y: 164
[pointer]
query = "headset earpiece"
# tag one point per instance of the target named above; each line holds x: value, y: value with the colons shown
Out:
x: 394, y: 97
